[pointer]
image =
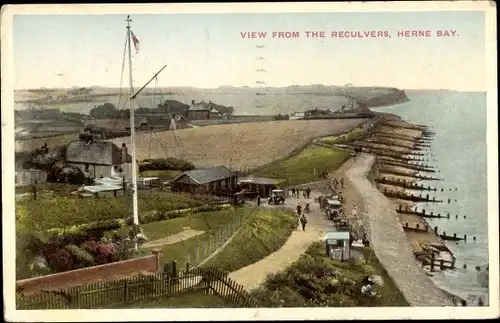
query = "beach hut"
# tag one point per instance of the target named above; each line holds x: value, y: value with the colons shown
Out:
x: 337, y: 245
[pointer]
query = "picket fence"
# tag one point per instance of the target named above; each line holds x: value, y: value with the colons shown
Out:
x: 117, y: 292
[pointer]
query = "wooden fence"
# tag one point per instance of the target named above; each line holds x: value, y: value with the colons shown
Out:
x: 124, y: 291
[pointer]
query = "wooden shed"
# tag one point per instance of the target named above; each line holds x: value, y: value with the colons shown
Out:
x: 260, y: 185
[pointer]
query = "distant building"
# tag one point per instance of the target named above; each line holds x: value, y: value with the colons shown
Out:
x: 199, y: 111
x: 97, y: 158
x: 214, y: 180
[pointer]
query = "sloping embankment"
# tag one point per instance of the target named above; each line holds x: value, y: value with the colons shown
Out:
x: 389, y: 241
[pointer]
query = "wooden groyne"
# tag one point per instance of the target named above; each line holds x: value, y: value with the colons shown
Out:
x: 423, y: 213
x: 409, y: 166
x: 410, y: 197
x: 405, y: 184
x: 381, y: 141
x: 395, y: 172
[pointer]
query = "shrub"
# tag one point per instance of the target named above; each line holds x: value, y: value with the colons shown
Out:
x: 314, y: 280
x: 60, y: 260
x: 81, y: 256
x: 169, y: 163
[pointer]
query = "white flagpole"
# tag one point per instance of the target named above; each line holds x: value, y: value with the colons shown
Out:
x: 132, y: 132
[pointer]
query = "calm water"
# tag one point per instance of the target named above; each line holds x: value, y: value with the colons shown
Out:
x: 459, y: 153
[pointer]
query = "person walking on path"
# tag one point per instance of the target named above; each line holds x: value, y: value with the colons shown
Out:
x: 299, y: 212
x: 342, y: 182
x: 308, y: 192
x: 303, y: 221
x: 293, y: 191
x: 335, y: 183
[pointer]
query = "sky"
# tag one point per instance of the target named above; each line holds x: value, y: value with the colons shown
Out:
x: 207, y: 50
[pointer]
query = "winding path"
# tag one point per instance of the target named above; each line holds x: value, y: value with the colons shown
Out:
x: 389, y: 241
x: 255, y: 274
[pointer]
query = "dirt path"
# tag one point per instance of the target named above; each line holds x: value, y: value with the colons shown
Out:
x: 174, y: 238
x: 255, y: 274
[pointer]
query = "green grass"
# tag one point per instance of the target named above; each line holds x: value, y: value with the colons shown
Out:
x: 299, y: 168
x: 209, y: 222
x: 317, y: 281
x: 355, y: 134
x: 265, y: 232
x: 193, y: 299
x: 63, y: 212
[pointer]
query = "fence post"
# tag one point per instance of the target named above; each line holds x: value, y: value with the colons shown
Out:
x: 125, y: 292
x: 174, y: 268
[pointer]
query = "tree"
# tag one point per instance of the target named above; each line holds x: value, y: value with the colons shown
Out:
x: 104, y: 111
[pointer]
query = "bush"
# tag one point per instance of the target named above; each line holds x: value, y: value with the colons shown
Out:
x: 169, y: 163
x: 60, y: 260
x: 317, y: 281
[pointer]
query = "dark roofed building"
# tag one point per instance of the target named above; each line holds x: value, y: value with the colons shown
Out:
x: 214, y: 180
x: 98, y: 158
x: 260, y: 185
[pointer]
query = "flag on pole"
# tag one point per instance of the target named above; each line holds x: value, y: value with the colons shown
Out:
x: 135, y: 40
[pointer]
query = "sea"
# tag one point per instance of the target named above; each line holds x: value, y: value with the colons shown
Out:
x: 458, y: 152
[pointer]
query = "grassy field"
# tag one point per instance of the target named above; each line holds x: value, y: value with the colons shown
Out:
x: 317, y: 281
x: 185, y: 300
x: 265, y: 232
x: 64, y: 212
x: 355, y: 134
x: 209, y: 222
x: 299, y: 168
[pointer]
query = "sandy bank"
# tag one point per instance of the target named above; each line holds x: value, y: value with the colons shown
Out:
x: 389, y: 241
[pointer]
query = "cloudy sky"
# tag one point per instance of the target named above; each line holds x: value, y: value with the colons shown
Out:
x: 207, y: 50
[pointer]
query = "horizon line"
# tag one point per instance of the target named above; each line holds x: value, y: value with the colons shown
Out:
x: 253, y: 86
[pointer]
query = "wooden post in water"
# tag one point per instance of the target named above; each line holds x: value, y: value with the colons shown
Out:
x: 436, y: 230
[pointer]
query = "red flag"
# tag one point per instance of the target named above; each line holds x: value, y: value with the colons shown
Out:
x: 135, y: 40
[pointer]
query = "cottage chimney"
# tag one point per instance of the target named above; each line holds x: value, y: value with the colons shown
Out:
x: 124, y: 153
x: 192, y: 101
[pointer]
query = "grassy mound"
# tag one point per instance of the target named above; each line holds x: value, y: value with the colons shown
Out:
x: 317, y: 281
x: 299, y: 168
x: 265, y: 232
x: 355, y: 134
x: 208, y: 222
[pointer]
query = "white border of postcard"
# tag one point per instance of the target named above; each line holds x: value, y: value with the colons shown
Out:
x: 8, y: 219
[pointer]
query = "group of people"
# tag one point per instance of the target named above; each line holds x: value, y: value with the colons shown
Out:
x: 336, y: 183
x: 305, y: 193
x: 323, y: 174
